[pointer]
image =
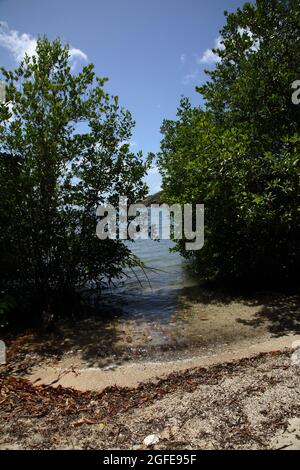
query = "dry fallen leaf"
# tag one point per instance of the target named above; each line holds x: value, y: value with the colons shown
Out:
x: 82, y: 421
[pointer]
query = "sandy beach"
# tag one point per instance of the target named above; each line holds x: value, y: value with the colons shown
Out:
x: 224, y: 377
x: 92, y: 354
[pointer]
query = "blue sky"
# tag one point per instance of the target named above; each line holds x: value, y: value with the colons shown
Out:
x: 152, y: 51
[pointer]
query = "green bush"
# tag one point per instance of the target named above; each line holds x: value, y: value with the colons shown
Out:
x: 63, y: 151
x: 240, y: 156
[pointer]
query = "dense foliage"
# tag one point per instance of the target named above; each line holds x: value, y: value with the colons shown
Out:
x: 64, y: 149
x: 240, y: 156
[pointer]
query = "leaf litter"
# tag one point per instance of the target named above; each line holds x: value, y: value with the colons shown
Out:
x: 242, y: 404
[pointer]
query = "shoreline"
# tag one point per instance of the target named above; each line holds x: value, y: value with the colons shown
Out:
x: 75, y: 373
x: 207, y: 327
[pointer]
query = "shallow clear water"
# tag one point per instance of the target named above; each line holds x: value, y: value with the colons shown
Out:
x: 153, y: 292
x: 166, y: 314
x: 145, y: 315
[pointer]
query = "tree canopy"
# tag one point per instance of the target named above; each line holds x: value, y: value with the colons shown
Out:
x: 64, y: 149
x: 239, y: 155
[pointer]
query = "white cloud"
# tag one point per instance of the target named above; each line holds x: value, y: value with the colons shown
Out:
x: 19, y: 44
x: 131, y: 143
x: 76, y: 56
x: 255, y: 42
x: 209, y: 57
x: 153, y: 170
x: 183, y: 59
x: 190, y: 77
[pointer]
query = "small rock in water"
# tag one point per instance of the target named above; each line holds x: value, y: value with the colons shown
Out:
x: 151, y: 439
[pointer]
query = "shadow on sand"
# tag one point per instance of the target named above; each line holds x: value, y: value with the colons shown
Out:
x: 201, y: 317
